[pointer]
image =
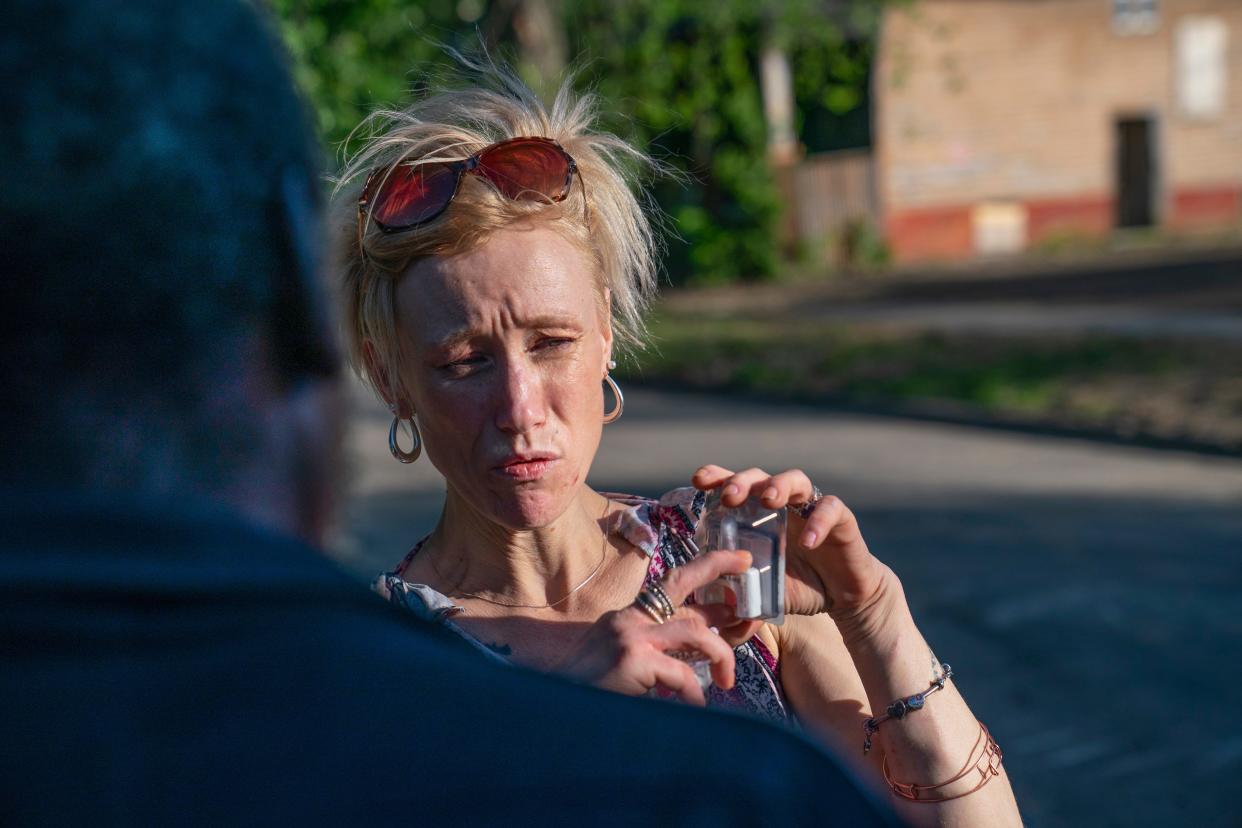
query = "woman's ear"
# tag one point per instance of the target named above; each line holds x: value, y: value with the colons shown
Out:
x: 606, y: 329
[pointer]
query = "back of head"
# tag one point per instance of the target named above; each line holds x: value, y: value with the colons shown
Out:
x: 157, y: 189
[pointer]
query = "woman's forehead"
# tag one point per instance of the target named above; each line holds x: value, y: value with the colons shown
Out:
x: 517, y: 277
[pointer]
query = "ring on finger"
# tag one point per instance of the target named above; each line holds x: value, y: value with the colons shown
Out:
x: 697, y: 662
x: 666, y: 605
x: 803, y: 510
x: 649, y: 604
x: 685, y: 655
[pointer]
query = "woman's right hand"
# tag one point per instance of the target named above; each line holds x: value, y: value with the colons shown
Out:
x: 627, y: 652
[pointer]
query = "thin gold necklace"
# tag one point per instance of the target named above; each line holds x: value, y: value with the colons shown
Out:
x: 603, y: 553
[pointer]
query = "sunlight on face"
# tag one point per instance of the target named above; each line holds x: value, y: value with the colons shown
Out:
x: 505, y: 349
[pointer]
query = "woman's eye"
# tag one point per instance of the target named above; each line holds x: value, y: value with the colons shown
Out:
x: 460, y: 367
x: 554, y: 343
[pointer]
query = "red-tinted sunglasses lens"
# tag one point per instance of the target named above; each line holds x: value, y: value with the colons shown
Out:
x: 538, y: 170
x: 411, y: 195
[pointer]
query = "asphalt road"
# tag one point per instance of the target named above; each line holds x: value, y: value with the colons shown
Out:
x: 1088, y: 596
x: 1037, y: 319
x: 1170, y: 294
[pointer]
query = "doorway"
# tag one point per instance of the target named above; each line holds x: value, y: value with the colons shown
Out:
x: 1136, y: 171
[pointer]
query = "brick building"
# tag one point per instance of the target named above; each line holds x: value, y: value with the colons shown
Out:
x: 1002, y: 124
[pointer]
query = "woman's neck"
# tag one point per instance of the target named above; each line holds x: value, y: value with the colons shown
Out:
x: 535, y: 567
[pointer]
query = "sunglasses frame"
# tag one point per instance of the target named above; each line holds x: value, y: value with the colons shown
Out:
x: 459, y: 170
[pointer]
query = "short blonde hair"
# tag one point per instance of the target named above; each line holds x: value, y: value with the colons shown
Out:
x: 614, y: 227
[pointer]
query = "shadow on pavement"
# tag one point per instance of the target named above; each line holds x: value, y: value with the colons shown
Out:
x: 1098, y: 638
x: 1089, y: 597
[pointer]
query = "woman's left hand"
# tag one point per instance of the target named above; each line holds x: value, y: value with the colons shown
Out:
x: 828, y: 566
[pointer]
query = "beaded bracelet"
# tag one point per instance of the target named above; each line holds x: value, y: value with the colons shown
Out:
x: 899, y: 708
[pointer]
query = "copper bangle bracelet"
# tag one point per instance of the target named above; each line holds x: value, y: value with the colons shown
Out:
x: 988, y: 765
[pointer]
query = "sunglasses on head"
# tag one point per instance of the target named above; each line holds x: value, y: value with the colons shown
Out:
x: 523, y: 169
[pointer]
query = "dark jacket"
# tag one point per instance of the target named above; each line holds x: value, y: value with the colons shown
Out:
x: 163, y: 667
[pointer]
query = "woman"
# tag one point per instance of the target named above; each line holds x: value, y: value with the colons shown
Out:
x: 495, y: 260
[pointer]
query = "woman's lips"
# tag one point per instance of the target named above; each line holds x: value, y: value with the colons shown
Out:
x: 525, y: 469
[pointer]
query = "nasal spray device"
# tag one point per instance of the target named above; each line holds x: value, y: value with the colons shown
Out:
x: 759, y: 592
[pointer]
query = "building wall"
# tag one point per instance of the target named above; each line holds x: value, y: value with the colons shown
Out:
x: 981, y: 106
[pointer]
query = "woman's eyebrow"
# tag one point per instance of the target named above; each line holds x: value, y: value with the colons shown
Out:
x: 553, y: 321
x: 461, y: 335
x: 449, y: 340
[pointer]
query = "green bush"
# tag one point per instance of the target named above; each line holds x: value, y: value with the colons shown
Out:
x: 680, y: 78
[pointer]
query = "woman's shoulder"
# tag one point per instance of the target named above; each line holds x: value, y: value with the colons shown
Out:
x: 420, y: 599
x: 678, y: 509
x: 681, y: 508
x: 660, y: 525
x: 397, y: 587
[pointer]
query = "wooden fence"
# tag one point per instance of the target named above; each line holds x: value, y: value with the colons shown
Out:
x: 831, y: 191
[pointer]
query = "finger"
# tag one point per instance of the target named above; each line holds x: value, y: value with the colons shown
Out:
x: 788, y: 487
x: 733, y: 630
x: 710, y: 476
x: 739, y: 632
x: 713, y: 615
x: 829, y: 515
x: 695, y: 636
x: 678, y: 677
x: 737, y: 488
x: 681, y: 582
x: 635, y: 614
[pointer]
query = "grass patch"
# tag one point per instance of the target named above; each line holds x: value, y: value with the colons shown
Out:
x: 1171, y: 389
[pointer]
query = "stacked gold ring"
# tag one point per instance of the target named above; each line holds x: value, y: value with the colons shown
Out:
x: 666, y: 605
x: 654, y: 601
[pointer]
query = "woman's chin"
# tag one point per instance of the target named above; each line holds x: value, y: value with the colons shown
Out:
x: 530, y: 507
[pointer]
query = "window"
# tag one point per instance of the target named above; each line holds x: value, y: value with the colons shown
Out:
x: 1201, y: 44
x: 1133, y: 17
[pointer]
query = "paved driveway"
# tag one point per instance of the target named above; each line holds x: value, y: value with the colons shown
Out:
x: 1088, y: 596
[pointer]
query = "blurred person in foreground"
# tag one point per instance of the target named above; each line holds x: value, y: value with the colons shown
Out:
x: 494, y: 261
x: 174, y: 650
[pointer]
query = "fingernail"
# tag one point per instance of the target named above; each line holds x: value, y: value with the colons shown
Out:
x: 809, y: 538
x: 715, y: 630
x: 769, y: 493
x: 731, y: 489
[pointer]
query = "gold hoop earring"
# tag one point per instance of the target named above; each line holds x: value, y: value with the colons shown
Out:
x: 404, y: 456
x: 615, y: 414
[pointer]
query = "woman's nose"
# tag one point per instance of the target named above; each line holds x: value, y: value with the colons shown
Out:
x: 521, y: 406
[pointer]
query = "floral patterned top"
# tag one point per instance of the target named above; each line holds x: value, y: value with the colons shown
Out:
x: 664, y: 530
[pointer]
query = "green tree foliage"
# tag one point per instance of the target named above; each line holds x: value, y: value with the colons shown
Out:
x: 353, y: 56
x: 679, y: 77
x: 683, y: 77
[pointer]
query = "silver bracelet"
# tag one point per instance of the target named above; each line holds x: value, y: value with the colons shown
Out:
x: 899, y: 708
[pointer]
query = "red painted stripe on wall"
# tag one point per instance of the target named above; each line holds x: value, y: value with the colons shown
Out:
x: 930, y: 233
x: 1083, y: 216
x: 946, y: 232
x: 1205, y: 207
